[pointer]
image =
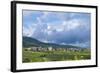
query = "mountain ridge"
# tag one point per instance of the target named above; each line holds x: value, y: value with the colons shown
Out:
x: 30, y: 42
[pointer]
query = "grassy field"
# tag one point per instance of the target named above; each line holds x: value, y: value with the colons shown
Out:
x: 30, y: 56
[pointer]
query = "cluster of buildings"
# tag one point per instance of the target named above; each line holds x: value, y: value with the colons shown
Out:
x: 52, y: 49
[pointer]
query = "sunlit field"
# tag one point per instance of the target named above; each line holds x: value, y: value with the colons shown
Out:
x: 46, y: 56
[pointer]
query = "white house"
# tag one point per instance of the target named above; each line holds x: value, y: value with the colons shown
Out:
x: 50, y: 48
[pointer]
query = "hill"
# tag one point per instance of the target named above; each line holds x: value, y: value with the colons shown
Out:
x: 30, y: 42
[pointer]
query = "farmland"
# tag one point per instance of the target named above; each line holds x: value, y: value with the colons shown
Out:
x: 46, y: 56
x: 37, y: 51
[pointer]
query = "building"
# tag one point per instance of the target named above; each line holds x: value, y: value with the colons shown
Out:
x: 50, y: 48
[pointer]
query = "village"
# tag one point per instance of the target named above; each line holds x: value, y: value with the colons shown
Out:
x: 42, y: 49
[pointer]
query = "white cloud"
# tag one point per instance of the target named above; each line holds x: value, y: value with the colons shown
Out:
x: 26, y: 32
x: 49, y: 32
x: 29, y: 31
x: 39, y: 21
x: 83, y: 44
x: 65, y: 26
x: 73, y: 24
x: 49, y: 27
x: 63, y: 43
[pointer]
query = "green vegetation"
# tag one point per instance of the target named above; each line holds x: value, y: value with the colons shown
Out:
x: 30, y: 42
x: 30, y: 56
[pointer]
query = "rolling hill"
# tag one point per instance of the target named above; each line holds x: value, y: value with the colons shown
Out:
x: 30, y: 42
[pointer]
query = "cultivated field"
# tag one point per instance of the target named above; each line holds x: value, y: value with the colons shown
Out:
x: 46, y: 56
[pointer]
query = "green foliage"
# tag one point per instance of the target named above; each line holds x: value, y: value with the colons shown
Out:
x: 26, y: 49
x: 26, y: 60
x: 30, y: 56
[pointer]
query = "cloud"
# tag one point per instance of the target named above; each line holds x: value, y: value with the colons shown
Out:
x: 58, y: 27
x: 29, y: 30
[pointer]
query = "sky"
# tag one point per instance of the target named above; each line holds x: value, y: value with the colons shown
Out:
x: 71, y: 28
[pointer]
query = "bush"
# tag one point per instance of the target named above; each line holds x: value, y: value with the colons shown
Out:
x: 26, y: 60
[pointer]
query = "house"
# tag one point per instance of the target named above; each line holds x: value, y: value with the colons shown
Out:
x: 39, y: 49
x: 34, y: 48
x: 50, y: 48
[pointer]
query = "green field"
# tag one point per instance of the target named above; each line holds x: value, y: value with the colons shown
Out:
x: 30, y: 56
